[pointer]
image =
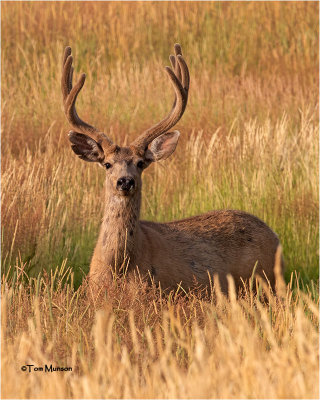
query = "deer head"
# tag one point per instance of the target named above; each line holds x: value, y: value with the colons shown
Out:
x: 124, y: 165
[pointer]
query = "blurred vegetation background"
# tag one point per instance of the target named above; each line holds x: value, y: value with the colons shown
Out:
x: 249, y: 134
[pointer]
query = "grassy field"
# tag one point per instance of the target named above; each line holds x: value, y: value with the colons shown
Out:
x: 249, y: 141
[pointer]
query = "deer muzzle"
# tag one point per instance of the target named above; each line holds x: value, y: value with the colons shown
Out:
x: 125, y: 185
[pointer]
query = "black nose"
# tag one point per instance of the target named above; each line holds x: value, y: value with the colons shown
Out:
x: 125, y: 183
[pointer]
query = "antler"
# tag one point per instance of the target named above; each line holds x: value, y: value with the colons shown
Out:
x: 70, y: 95
x: 180, y: 80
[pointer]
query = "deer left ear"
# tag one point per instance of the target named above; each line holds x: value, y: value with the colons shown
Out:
x: 85, y: 147
x: 163, y: 146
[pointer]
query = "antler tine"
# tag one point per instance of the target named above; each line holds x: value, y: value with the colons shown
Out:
x: 180, y: 80
x: 70, y: 95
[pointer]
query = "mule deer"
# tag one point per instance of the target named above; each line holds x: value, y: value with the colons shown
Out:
x: 218, y: 243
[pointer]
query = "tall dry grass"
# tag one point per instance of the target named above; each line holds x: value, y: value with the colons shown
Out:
x: 249, y: 141
x: 56, y: 212
x: 137, y: 343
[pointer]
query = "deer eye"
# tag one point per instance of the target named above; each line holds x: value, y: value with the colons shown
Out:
x: 107, y: 165
x: 140, y: 164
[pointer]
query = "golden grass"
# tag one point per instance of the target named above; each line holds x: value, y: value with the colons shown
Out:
x: 138, y: 343
x: 57, y: 210
x: 248, y: 141
x: 237, y: 68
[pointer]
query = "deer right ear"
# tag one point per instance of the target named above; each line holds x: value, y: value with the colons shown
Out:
x: 85, y: 147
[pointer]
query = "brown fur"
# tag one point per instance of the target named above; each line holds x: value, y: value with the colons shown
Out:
x: 220, y: 242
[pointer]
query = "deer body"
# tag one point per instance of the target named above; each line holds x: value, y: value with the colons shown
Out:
x: 178, y: 252
x: 184, y: 252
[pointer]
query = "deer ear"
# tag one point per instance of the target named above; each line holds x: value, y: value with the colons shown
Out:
x: 85, y: 147
x: 163, y: 146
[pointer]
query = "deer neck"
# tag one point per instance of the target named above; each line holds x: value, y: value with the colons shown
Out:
x: 120, y: 229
